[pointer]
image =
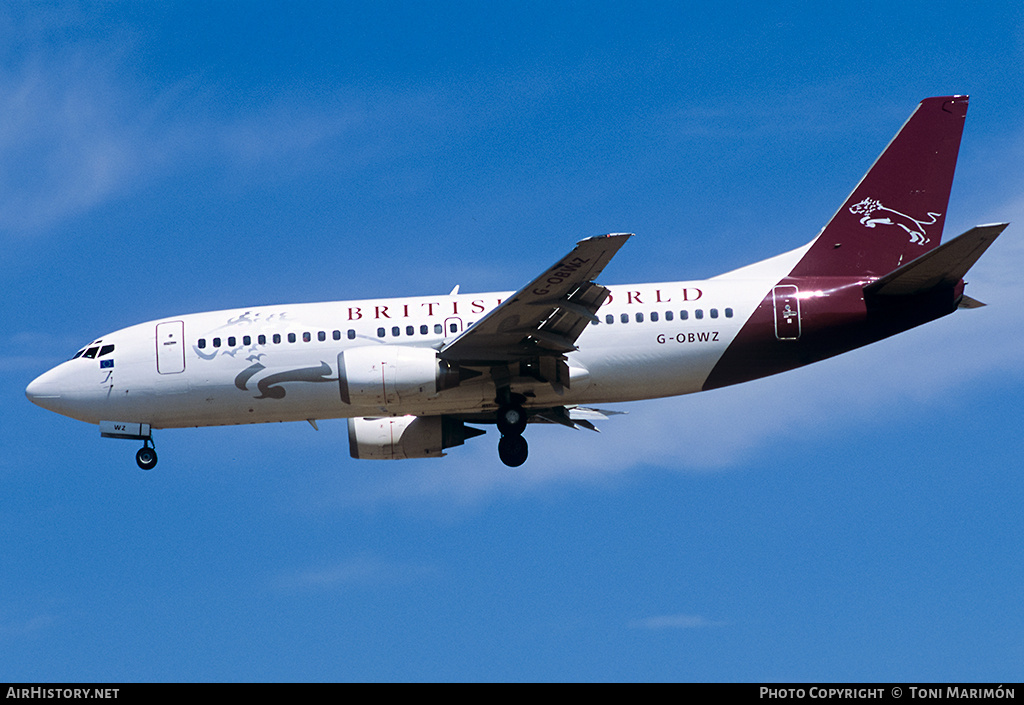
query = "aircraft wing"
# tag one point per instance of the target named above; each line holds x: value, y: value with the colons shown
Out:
x: 546, y: 316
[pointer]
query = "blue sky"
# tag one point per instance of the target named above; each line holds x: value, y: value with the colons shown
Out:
x: 855, y: 520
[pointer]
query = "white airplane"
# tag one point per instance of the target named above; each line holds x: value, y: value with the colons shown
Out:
x: 415, y: 376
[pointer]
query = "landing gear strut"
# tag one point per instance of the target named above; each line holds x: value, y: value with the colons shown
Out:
x: 511, y: 419
x: 146, y: 457
x: 133, y: 431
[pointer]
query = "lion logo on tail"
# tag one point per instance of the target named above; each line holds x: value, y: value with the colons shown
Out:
x: 873, y: 214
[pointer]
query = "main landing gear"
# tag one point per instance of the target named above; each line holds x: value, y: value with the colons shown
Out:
x: 511, y: 421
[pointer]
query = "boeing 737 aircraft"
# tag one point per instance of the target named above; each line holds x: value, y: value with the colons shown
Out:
x: 415, y: 376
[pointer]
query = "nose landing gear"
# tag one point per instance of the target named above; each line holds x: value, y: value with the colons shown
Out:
x: 146, y: 457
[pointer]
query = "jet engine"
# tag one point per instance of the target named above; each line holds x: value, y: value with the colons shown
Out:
x: 398, y: 437
x: 387, y: 375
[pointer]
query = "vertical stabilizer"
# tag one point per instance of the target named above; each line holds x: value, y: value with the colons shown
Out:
x: 897, y: 211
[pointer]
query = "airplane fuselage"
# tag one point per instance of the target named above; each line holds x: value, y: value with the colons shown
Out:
x: 281, y: 363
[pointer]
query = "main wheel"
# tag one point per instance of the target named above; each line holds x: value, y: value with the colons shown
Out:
x: 146, y: 458
x: 511, y: 420
x: 513, y: 450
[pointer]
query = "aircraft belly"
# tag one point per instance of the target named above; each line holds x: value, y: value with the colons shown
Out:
x: 670, y: 368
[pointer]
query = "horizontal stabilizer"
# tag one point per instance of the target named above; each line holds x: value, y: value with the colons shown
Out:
x: 945, y: 265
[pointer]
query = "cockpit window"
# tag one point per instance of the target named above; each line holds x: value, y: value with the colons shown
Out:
x: 106, y: 350
x: 91, y: 349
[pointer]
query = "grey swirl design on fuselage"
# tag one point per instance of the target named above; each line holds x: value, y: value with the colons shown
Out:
x: 267, y: 385
x: 245, y: 375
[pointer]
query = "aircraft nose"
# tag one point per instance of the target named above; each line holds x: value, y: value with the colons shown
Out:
x: 44, y: 390
x: 65, y: 390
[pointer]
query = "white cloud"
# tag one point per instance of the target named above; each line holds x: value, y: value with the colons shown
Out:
x: 359, y: 571
x: 67, y: 140
x: 26, y: 627
x: 76, y: 132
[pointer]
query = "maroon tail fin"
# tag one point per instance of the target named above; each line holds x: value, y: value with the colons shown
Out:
x: 897, y: 211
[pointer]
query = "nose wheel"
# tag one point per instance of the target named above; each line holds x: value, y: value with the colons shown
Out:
x: 146, y: 457
x: 133, y: 431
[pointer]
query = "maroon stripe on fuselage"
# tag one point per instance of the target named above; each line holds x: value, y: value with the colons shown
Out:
x: 834, y: 318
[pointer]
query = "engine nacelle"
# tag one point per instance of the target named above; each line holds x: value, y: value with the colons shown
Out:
x: 387, y: 375
x: 399, y: 437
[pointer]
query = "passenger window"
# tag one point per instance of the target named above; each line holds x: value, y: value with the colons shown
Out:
x: 246, y: 340
x: 639, y: 318
x: 380, y: 332
x: 424, y: 330
x: 654, y: 316
x: 216, y: 344
x: 351, y: 334
x: 277, y: 338
x: 396, y: 331
x: 231, y: 342
x: 714, y: 313
x: 438, y: 329
x: 728, y: 313
x: 683, y: 315
x: 410, y: 330
x: 306, y: 337
x: 202, y: 346
x: 594, y: 321
x: 609, y: 319
x: 321, y: 336
x: 454, y: 327
x: 668, y: 315
x: 336, y: 335
x: 624, y: 318
x: 699, y: 313
x: 261, y: 339
x: 291, y: 337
